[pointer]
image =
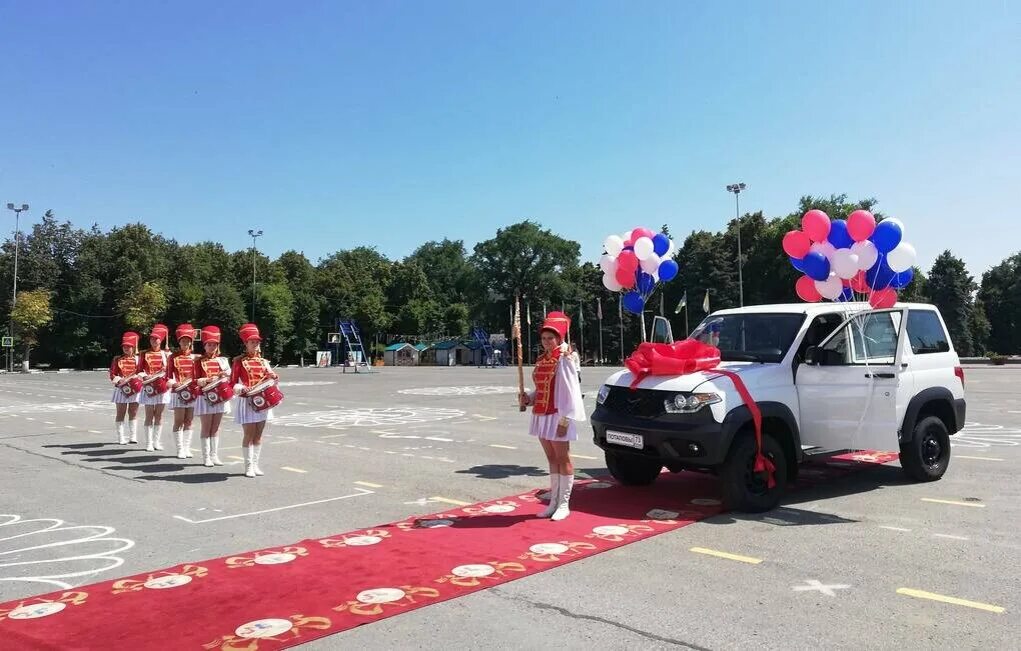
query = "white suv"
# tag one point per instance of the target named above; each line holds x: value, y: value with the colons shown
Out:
x: 827, y: 377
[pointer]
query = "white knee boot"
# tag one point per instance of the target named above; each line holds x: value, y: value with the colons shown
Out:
x: 207, y: 451
x: 148, y: 438
x: 157, y: 435
x: 247, y: 453
x: 133, y: 426
x: 256, y: 453
x: 187, y: 444
x: 554, y: 496
x: 215, y: 450
x: 122, y: 436
x: 179, y: 440
x: 566, y: 485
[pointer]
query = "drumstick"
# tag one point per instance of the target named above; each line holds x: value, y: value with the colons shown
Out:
x: 517, y: 337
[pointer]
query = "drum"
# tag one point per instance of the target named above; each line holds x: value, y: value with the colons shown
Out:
x: 218, y: 391
x: 131, y: 386
x: 265, y: 395
x: 155, y: 385
x: 187, y: 393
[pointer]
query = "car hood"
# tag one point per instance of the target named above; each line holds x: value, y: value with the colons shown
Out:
x: 749, y: 372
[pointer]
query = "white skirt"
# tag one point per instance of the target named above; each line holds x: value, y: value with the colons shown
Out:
x: 177, y: 403
x: 203, y: 408
x: 119, y: 398
x: 544, y: 426
x: 245, y: 414
x: 158, y: 399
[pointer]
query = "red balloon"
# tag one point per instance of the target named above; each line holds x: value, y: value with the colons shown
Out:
x: 846, y: 282
x: 628, y: 261
x: 883, y: 298
x: 860, y: 225
x: 806, y: 290
x: 859, y: 283
x: 625, y: 278
x: 796, y: 244
x: 816, y: 225
x: 641, y: 232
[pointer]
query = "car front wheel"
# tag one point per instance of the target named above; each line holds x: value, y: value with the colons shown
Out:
x: 747, y: 490
x: 927, y: 455
x: 632, y: 470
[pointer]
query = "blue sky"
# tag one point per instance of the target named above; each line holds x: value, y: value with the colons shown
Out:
x: 336, y: 124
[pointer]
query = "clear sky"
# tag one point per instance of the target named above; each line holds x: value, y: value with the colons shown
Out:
x: 336, y: 124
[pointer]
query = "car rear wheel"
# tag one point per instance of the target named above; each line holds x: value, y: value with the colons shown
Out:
x: 631, y: 469
x: 927, y: 455
x: 747, y: 490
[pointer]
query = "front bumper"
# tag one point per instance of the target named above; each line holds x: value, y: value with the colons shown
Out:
x: 695, y: 440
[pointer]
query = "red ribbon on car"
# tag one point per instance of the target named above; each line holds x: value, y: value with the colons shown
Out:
x: 691, y: 356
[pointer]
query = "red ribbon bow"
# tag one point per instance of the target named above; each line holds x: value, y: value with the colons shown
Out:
x: 691, y: 356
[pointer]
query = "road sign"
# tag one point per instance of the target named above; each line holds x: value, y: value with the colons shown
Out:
x: 7, y: 342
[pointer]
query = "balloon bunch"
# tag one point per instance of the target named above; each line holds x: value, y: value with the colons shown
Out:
x: 843, y: 260
x: 635, y: 262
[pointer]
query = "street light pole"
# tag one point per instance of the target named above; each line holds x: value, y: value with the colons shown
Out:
x: 14, y: 295
x: 736, y: 188
x: 254, y: 234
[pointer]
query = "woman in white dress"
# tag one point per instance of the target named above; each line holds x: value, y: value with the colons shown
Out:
x: 123, y: 367
x: 248, y: 371
x: 211, y: 366
x: 182, y: 372
x: 152, y: 362
x: 557, y: 408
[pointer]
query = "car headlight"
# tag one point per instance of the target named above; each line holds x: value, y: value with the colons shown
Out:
x: 604, y: 391
x: 689, y: 403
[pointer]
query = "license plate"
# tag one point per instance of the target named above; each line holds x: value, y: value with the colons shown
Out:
x: 627, y: 440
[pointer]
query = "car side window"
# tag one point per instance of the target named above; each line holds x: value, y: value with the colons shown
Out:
x: 821, y: 327
x: 926, y: 334
x: 875, y: 338
x: 837, y: 350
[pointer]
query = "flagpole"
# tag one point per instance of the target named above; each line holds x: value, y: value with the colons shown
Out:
x: 528, y: 308
x: 599, y: 313
x: 620, y: 313
x: 581, y: 331
x: 516, y: 334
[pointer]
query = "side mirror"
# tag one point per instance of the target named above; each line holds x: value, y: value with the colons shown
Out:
x: 810, y: 355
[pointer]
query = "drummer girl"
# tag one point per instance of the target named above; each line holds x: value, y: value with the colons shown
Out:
x: 250, y: 370
x: 123, y: 367
x: 557, y: 408
x: 151, y: 362
x: 182, y: 371
x: 211, y: 366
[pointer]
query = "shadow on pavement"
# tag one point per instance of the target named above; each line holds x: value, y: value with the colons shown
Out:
x: 82, y: 446
x: 496, y: 471
x: 203, y: 478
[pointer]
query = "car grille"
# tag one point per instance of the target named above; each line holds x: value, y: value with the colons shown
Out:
x: 644, y: 403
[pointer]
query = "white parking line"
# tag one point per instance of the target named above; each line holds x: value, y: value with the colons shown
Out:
x: 360, y: 493
x: 895, y: 529
x: 961, y: 456
x: 946, y: 535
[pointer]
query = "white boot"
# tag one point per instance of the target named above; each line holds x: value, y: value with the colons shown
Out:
x: 158, y: 436
x: 207, y: 451
x: 122, y: 436
x: 133, y: 426
x: 256, y: 453
x: 215, y: 444
x: 179, y: 440
x: 249, y: 464
x: 554, y: 496
x: 148, y: 438
x: 187, y: 444
x: 566, y: 484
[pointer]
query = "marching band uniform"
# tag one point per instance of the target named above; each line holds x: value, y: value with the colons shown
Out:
x: 153, y: 361
x: 211, y: 368
x: 556, y: 402
x: 124, y: 366
x: 249, y: 370
x: 182, y: 372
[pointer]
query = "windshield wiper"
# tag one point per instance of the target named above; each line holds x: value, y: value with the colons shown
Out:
x: 738, y: 357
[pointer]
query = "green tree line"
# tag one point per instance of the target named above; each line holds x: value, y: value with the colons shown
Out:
x: 83, y: 287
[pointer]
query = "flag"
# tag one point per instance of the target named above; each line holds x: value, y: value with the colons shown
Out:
x: 528, y: 313
x: 683, y: 304
x: 599, y: 309
x: 705, y: 302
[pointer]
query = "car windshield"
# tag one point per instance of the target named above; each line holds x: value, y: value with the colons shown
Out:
x: 750, y: 337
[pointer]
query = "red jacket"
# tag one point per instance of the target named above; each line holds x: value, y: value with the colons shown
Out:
x: 123, y: 366
x: 152, y: 362
x: 183, y: 367
x: 211, y: 367
x: 249, y: 371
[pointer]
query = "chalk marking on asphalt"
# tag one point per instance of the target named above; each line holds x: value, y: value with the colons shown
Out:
x: 332, y: 436
x: 819, y: 586
x: 369, y: 484
x: 68, y: 426
x: 303, y: 404
x: 439, y: 438
x: 895, y: 529
x: 447, y: 500
x: 485, y: 417
x: 389, y: 452
x: 502, y: 447
x: 361, y: 492
x: 921, y: 594
x: 953, y: 503
x: 730, y: 557
x: 961, y: 456
x: 29, y: 418
x: 290, y: 469
x: 238, y: 458
x: 94, y: 431
x: 49, y: 422
x: 582, y: 456
x: 946, y: 535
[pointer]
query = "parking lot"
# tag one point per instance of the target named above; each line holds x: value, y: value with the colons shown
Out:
x: 866, y: 560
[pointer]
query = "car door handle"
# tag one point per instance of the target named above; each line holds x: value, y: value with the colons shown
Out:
x: 886, y: 376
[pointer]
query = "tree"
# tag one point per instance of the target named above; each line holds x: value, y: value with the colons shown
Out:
x: 222, y: 306
x: 917, y: 290
x: 277, y: 319
x: 142, y: 308
x: 31, y: 313
x: 950, y: 288
x: 1001, y: 295
x: 446, y: 269
x: 305, y: 336
x: 979, y: 327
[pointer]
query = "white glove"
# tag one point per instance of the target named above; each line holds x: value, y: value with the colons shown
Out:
x: 565, y: 348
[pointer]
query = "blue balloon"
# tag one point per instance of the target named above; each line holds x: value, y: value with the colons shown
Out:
x: 880, y: 276
x: 887, y: 236
x: 817, y: 267
x: 798, y: 264
x: 846, y: 296
x: 668, y: 270
x: 662, y: 244
x: 634, y: 303
x: 839, y: 237
x: 646, y: 284
x: 903, y: 279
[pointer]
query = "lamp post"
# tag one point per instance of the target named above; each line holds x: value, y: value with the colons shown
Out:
x: 255, y: 235
x: 14, y: 295
x: 736, y: 188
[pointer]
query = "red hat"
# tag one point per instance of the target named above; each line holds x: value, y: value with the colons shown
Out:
x: 557, y: 322
x: 130, y: 339
x: 159, y: 330
x: 210, y: 334
x: 248, y: 332
x: 184, y: 330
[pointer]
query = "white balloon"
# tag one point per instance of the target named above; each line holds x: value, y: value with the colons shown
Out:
x: 650, y: 265
x: 845, y: 263
x: 825, y: 248
x: 830, y: 288
x: 644, y: 248
x: 608, y: 263
x: 901, y: 258
x: 867, y: 254
x: 671, y: 249
x: 610, y: 283
x: 613, y: 245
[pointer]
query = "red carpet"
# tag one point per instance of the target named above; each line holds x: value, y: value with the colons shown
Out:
x: 275, y: 598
